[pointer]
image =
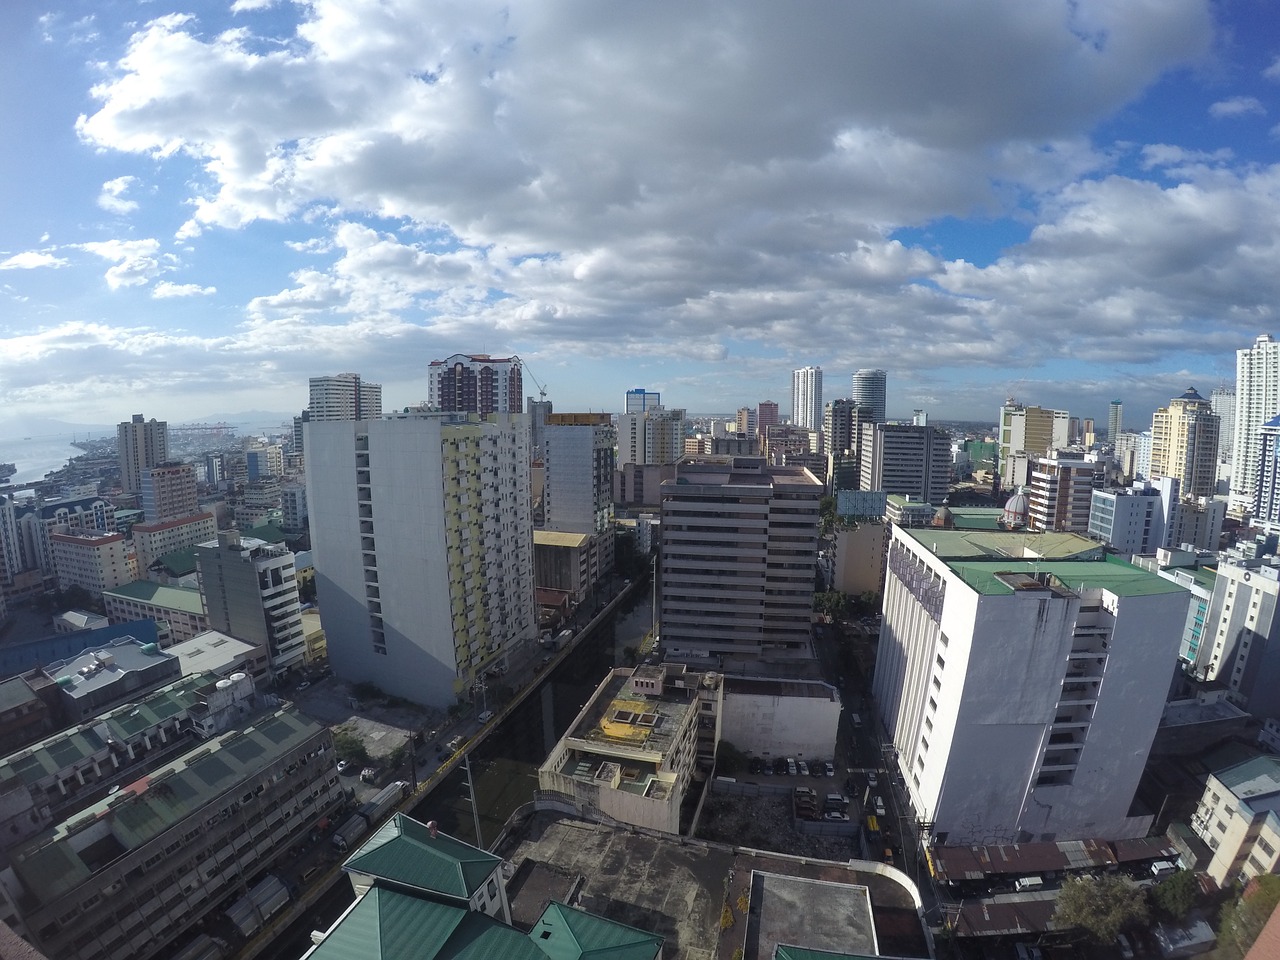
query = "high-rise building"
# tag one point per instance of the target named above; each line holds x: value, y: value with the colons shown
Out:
x: 169, y: 491
x: 422, y: 539
x: 538, y: 411
x: 869, y: 390
x: 264, y: 460
x: 140, y: 444
x: 1184, y: 444
x: 655, y: 436
x: 151, y: 541
x: 639, y: 400
x: 298, y: 442
x: 739, y: 552
x: 903, y: 459
x: 1266, y: 498
x: 92, y: 560
x: 344, y: 396
x: 1115, y: 420
x: 475, y: 383
x: 580, y: 460
x: 1022, y: 695
x: 1241, y: 645
x: 806, y: 398
x: 842, y: 420
x: 1135, y: 520
x: 1060, y: 493
x: 250, y: 591
x: 766, y: 417
x: 1257, y: 401
x: 1223, y: 401
x: 749, y: 421
x: 1028, y: 431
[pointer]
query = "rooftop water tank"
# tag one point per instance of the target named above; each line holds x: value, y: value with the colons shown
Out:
x: 224, y: 684
x: 237, y: 677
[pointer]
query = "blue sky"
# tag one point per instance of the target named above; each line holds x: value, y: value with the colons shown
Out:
x: 206, y: 203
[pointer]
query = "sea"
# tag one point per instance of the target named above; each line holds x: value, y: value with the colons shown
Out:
x: 36, y: 456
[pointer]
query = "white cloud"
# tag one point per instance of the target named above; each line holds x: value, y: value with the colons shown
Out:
x: 249, y: 6
x: 1273, y: 72
x: 135, y: 261
x: 164, y: 289
x: 1236, y: 107
x: 31, y: 260
x: 112, y: 198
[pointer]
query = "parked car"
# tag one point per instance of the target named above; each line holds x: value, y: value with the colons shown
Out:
x: 780, y: 765
x: 485, y: 717
x: 804, y: 768
x: 878, y: 803
x: 836, y: 816
x: 344, y: 766
x: 756, y: 766
x: 791, y: 767
x: 872, y: 779
x: 830, y: 768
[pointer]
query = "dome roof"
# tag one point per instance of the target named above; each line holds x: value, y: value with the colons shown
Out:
x: 1015, y: 511
x: 944, y: 518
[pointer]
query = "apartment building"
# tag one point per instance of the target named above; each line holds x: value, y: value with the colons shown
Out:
x: 1022, y: 692
x: 182, y: 608
x: 168, y: 491
x: 1257, y: 401
x: 422, y: 536
x: 92, y: 560
x: 1060, y: 492
x: 653, y: 437
x: 343, y: 396
x: 475, y: 383
x: 140, y: 445
x: 1184, y: 443
x: 1238, y: 816
x: 151, y: 541
x: 1029, y: 431
x: 806, y: 398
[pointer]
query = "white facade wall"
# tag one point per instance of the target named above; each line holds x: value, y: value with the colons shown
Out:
x: 1257, y: 401
x: 92, y: 561
x: 806, y: 398
x: 776, y: 725
x: 578, y: 494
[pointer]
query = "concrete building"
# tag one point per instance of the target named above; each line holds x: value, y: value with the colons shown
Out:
x: 783, y: 439
x: 250, y: 591
x: 1266, y: 496
x: 259, y: 503
x: 639, y: 485
x: 344, y: 396
x: 92, y: 560
x: 263, y: 461
x: 842, y: 422
x: 1115, y: 420
x: 767, y: 416
x: 1257, y: 401
x: 571, y: 564
x: 1197, y: 522
x: 904, y: 459
x: 1022, y: 695
x: 653, y: 437
x: 102, y: 678
x: 1223, y: 401
x: 739, y: 548
x: 422, y: 536
x: 870, y: 391
x: 1060, y: 492
x: 169, y: 491
x: 859, y: 558
x: 537, y: 412
x: 640, y: 400
x: 28, y: 527
x: 1029, y: 431
x: 151, y: 541
x: 1184, y: 444
x: 771, y: 717
x: 631, y: 752
x: 140, y: 444
x: 580, y: 460
x: 806, y: 398
x: 475, y: 383
x: 749, y: 421
x: 1136, y: 520
x: 1239, y: 818
x: 182, y: 608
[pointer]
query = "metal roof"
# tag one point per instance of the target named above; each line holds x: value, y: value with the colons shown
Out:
x: 186, y: 599
x: 404, y: 852
x: 563, y: 933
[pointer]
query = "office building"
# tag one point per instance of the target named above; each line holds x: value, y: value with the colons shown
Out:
x: 1184, y: 444
x: 1257, y: 401
x: 1025, y: 432
x: 169, y: 491
x: 293, y: 508
x: 580, y: 461
x: 1197, y: 523
x: 1021, y: 691
x: 654, y: 437
x: 905, y: 459
x: 640, y: 400
x: 749, y: 421
x: 91, y: 560
x: 869, y: 390
x: 263, y: 461
x: 140, y: 444
x: 1223, y: 401
x: 344, y: 396
x: 842, y: 420
x: 250, y: 591
x: 475, y: 383
x: 766, y: 417
x: 806, y: 397
x: 422, y: 537
x: 1115, y: 420
x: 1060, y: 492
x: 739, y: 547
x: 1136, y: 520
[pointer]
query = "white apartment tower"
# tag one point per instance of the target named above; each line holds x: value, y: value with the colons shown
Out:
x: 869, y: 390
x: 1223, y: 401
x: 140, y: 444
x: 1257, y: 401
x: 422, y: 539
x: 344, y: 396
x: 1115, y: 420
x: 655, y: 436
x: 1060, y: 493
x: 580, y: 459
x: 1022, y: 695
x: 1184, y: 443
x: 806, y: 398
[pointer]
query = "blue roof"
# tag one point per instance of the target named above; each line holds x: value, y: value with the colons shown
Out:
x: 18, y: 658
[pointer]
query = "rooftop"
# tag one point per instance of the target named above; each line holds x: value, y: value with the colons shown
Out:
x: 1003, y: 544
x: 210, y: 652
x: 820, y: 914
x: 1112, y: 575
x: 105, y: 666
x: 18, y: 658
x: 185, y: 599
x: 552, y: 538
x: 1254, y: 779
x: 623, y: 717
x: 411, y: 854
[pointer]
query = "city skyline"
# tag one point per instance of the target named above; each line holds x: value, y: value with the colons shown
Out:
x: 1065, y: 204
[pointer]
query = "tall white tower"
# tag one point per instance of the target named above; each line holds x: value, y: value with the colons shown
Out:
x: 1223, y: 400
x: 869, y: 391
x: 806, y: 398
x: 1257, y: 401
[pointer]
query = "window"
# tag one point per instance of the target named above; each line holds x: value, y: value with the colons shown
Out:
x: 1266, y: 848
x: 940, y: 662
x: 493, y: 889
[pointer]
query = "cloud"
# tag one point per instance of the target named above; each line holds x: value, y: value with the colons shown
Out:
x: 135, y: 261
x: 1273, y: 72
x: 31, y: 260
x: 1236, y: 107
x: 164, y: 290
x: 250, y: 6
x: 112, y: 199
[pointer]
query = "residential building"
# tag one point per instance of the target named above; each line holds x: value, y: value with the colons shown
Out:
x: 250, y: 591
x: 1197, y: 522
x: 140, y: 444
x: 739, y: 547
x: 1239, y: 818
x: 631, y: 752
x: 1029, y: 431
x: 1061, y: 491
x: 182, y: 608
x: 1136, y: 520
x: 749, y: 421
x: 1257, y: 401
x: 786, y: 438
x: 842, y: 421
x: 169, y: 491
x: 869, y: 390
x: 1022, y: 692
x: 344, y: 396
x: 580, y: 460
x: 422, y: 534
x: 293, y: 507
x: 640, y: 400
x: 92, y: 560
x: 1223, y: 401
x: 259, y: 503
x: 653, y: 437
x: 151, y: 541
x: 1115, y: 420
x: 806, y: 398
x: 537, y: 411
x: 297, y: 444
x: 1266, y: 497
x: 475, y: 383
x: 26, y: 529
x: 1184, y: 443
x: 263, y: 461
x: 905, y: 459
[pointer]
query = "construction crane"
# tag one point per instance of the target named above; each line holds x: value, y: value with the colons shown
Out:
x: 542, y: 390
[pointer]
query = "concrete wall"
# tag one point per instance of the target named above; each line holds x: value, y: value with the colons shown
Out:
x: 781, y: 726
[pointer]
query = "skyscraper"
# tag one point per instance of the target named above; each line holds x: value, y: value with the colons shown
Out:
x: 169, y: 491
x: 655, y: 436
x: 638, y: 400
x: 1028, y: 431
x: 1115, y: 420
x: 766, y: 417
x: 1184, y: 443
x: 140, y: 445
x: 1257, y: 401
x: 904, y: 459
x: 841, y: 422
x: 344, y: 396
x: 749, y: 421
x: 806, y: 398
x: 1223, y: 400
x: 476, y: 383
x: 869, y: 390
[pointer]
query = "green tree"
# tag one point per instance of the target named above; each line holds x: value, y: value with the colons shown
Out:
x: 827, y: 513
x: 1243, y: 920
x: 350, y: 747
x: 1174, y: 897
x: 1100, y: 906
x: 831, y: 603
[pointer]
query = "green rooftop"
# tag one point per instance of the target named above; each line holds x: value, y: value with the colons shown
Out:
x: 786, y: 951
x: 564, y: 933
x: 185, y: 599
x: 1113, y: 575
x: 1259, y: 777
x: 1003, y: 544
x: 404, y: 852
x: 178, y: 563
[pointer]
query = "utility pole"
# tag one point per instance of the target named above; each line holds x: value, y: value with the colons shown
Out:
x: 471, y: 788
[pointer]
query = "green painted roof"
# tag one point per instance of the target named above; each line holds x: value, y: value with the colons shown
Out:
x: 563, y: 933
x: 1002, y: 544
x: 185, y: 599
x: 14, y: 692
x: 269, y: 532
x: 1113, y: 575
x: 1259, y: 777
x: 386, y: 924
x: 977, y: 518
x: 404, y: 852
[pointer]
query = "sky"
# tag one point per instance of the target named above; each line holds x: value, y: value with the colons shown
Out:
x: 202, y: 204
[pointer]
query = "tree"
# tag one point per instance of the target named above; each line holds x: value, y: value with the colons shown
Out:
x: 831, y: 603
x: 1244, y: 919
x: 1100, y: 906
x: 1174, y: 897
x: 827, y: 513
x: 349, y: 747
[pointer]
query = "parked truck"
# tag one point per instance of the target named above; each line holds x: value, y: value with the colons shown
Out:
x: 263, y: 901
x: 345, y: 837
x: 387, y: 797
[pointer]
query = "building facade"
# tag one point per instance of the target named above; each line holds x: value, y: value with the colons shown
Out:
x: 806, y: 397
x: 169, y: 491
x: 1238, y: 816
x: 904, y: 459
x: 476, y: 383
x: 653, y: 437
x: 640, y: 400
x: 92, y: 560
x: 151, y: 541
x: 1257, y: 401
x: 1115, y: 420
x: 1027, y: 431
x: 1060, y: 493
x: 1184, y: 444
x: 140, y: 444
x: 1223, y: 401
x: 870, y: 388
x: 344, y: 396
